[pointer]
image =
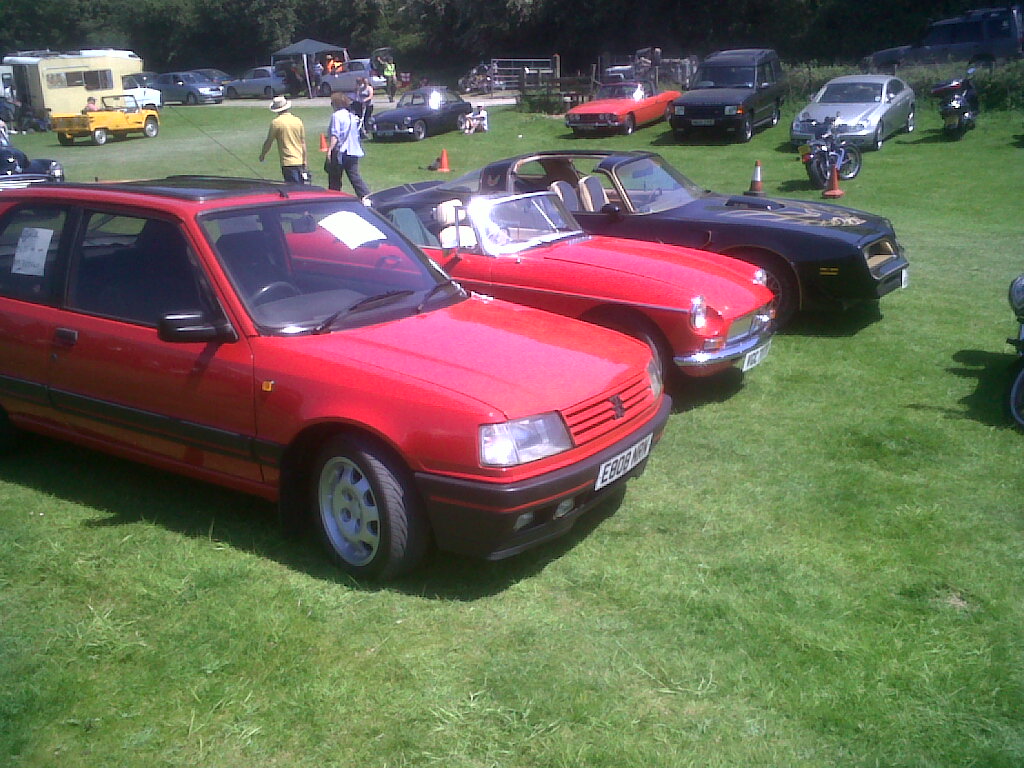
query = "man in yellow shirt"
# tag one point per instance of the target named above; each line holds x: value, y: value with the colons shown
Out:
x: 290, y: 134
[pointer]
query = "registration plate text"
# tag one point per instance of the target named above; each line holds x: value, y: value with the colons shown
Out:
x: 619, y: 465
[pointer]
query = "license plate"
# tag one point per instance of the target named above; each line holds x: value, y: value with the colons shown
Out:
x: 904, y: 278
x: 755, y: 356
x: 702, y: 123
x: 680, y: 110
x: 619, y: 465
x: 383, y: 133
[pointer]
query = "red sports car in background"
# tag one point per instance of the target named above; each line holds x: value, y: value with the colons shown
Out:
x: 700, y: 312
x: 621, y: 107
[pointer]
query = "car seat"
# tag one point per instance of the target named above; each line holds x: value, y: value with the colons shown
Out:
x: 592, y: 194
x: 450, y: 214
x: 567, y: 193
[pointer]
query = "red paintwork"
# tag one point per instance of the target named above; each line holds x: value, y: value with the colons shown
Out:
x: 422, y: 384
x: 647, y: 110
x: 580, y: 275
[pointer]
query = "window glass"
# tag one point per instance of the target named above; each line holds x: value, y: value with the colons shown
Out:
x: 134, y: 269
x: 968, y: 32
x: 29, y: 243
x: 998, y: 28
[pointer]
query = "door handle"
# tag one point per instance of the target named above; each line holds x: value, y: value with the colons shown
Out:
x: 66, y: 337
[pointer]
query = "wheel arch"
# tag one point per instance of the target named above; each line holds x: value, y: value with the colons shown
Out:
x: 296, y: 465
x: 623, y: 318
x: 753, y: 254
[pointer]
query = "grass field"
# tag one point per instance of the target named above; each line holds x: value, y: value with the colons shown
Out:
x: 821, y: 567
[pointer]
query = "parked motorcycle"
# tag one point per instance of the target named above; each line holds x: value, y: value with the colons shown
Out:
x: 825, y: 152
x: 477, y: 80
x: 959, y: 106
x: 1015, y: 394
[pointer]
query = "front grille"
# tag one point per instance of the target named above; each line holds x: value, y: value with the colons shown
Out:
x: 702, y: 112
x: 596, y: 417
x: 749, y: 324
x: 592, y: 117
x: 879, y: 253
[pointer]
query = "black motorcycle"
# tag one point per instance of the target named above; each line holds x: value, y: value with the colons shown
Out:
x: 825, y: 152
x: 1015, y: 394
x: 959, y: 106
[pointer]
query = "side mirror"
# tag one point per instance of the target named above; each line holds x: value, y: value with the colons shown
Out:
x: 612, y: 211
x: 192, y: 327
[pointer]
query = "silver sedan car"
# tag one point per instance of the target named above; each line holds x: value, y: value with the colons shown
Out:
x: 261, y: 82
x: 868, y: 110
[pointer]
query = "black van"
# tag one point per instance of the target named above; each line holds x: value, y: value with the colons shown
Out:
x: 734, y: 91
x: 982, y: 37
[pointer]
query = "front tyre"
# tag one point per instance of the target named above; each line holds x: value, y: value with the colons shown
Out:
x: 746, y: 130
x: 65, y: 140
x: 817, y: 171
x: 419, y: 130
x: 151, y: 128
x: 1015, y: 394
x: 851, y: 163
x: 366, y: 509
x: 100, y: 136
x: 629, y: 126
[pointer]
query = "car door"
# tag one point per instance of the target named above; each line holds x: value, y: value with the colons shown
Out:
x: 116, y: 382
x: 31, y: 277
x: 897, y: 97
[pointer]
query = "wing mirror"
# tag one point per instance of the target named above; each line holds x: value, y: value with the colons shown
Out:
x: 612, y: 211
x: 193, y: 327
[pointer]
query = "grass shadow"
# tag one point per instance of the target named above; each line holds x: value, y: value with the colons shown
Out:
x: 834, y: 324
x: 985, y: 405
x: 127, y: 493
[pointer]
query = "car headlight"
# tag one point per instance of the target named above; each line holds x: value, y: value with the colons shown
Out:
x: 698, y: 313
x: 56, y: 170
x: 407, y: 120
x: 732, y: 110
x: 1017, y: 295
x: 571, y: 118
x: 654, y: 374
x: 521, y: 441
x: 760, y: 277
x: 679, y: 109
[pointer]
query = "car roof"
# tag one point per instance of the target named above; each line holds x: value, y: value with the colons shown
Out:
x: 194, y: 188
x: 862, y: 79
x: 741, y: 53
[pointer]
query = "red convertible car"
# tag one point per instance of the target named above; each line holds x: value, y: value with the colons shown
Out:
x: 287, y: 342
x: 621, y: 107
x: 700, y: 313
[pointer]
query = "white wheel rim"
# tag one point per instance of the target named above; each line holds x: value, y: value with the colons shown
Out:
x: 348, y: 511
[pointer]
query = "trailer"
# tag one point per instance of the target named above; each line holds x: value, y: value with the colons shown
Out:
x: 56, y: 81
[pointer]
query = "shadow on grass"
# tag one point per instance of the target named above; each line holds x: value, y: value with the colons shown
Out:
x: 127, y: 493
x: 834, y: 324
x: 985, y: 405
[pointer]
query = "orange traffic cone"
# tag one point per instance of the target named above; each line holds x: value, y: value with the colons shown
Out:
x: 756, y: 187
x: 323, y: 143
x: 443, y: 167
x: 833, y: 190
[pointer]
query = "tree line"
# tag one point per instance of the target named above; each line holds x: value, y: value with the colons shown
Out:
x: 452, y: 35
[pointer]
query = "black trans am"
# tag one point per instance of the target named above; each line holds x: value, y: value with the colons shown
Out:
x: 16, y: 170
x: 818, y: 256
x: 421, y: 113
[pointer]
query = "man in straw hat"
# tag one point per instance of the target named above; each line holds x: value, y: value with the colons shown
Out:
x: 290, y: 134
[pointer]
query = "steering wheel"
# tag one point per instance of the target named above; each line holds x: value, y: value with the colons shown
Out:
x: 263, y: 293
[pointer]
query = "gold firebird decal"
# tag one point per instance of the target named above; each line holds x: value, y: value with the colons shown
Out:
x: 809, y: 214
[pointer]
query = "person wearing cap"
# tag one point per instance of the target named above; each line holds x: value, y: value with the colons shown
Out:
x: 290, y: 134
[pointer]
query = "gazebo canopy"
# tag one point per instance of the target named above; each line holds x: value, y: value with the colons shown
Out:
x: 308, y: 47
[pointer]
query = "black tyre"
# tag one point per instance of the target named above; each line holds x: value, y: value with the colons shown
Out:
x: 8, y: 434
x: 817, y: 172
x: 151, y: 128
x: 776, y: 116
x: 640, y: 328
x: 1015, y: 394
x: 746, y: 130
x: 191, y: 99
x: 782, y: 282
x: 851, y: 163
x: 879, y: 137
x: 911, y: 124
x: 366, y: 509
x: 629, y: 126
x: 419, y: 130
x: 231, y: 93
x: 65, y: 140
x: 100, y: 136
x: 268, y: 92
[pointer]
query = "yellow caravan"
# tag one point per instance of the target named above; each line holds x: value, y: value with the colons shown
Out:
x: 52, y: 81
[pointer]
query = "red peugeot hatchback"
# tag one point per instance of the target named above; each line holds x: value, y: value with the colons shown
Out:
x: 286, y: 342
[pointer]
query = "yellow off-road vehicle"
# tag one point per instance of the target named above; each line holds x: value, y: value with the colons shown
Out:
x: 119, y: 116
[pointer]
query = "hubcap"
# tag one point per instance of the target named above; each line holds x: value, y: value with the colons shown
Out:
x: 348, y: 510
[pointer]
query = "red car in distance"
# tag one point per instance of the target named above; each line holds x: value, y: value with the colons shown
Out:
x: 286, y: 342
x: 622, y: 107
x: 701, y: 313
